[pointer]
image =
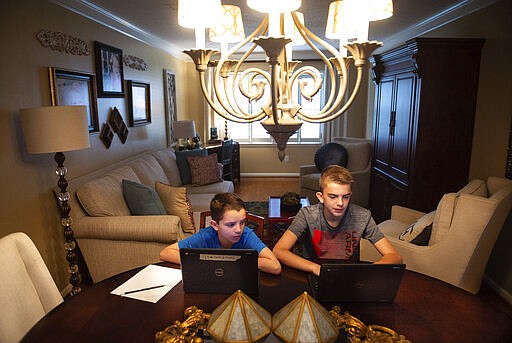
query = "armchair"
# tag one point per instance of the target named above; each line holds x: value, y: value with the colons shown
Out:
x: 359, y: 163
x: 27, y: 290
x: 465, y: 227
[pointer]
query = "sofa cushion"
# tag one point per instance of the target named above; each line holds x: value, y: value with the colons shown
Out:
x: 148, y: 170
x: 359, y: 155
x: 167, y: 159
x: 204, y: 169
x: 142, y: 200
x: 443, y: 217
x: 475, y: 187
x: 184, y: 168
x: 311, y: 181
x: 419, y: 232
x: 104, y: 196
x: 176, y: 202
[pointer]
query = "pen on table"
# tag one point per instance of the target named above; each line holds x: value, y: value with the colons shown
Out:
x: 143, y: 289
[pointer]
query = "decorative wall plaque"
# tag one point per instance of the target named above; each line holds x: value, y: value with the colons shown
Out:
x: 63, y: 43
x: 134, y: 62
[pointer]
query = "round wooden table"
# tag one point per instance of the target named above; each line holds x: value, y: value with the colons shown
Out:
x: 425, y: 310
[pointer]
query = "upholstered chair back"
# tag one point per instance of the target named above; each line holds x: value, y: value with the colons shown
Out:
x: 27, y: 290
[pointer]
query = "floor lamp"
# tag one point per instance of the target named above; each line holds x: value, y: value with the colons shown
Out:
x: 55, y: 129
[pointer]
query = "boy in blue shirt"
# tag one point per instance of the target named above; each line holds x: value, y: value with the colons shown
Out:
x: 227, y: 230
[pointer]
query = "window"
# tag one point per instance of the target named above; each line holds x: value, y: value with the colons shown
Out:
x: 255, y: 133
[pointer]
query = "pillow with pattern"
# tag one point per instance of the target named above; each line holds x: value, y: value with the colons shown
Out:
x: 177, y: 202
x: 419, y: 232
x: 204, y: 169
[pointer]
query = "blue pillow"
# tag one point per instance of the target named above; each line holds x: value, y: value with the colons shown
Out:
x: 141, y: 199
x: 183, y: 166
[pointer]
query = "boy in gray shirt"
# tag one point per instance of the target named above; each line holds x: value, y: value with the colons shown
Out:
x: 333, y: 228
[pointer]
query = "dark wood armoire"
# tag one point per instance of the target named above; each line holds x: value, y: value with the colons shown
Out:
x: 423, y: 122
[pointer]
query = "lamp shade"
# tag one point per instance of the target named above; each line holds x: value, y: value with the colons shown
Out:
x: 231, y: 28
x: 268, y: 6
x: 184, y: 129
x: 55, y: 128
x: 199, y: 13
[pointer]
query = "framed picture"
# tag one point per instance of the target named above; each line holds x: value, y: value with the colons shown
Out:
x: 68, y: 87
x: 171, y: 111
x: 139, y: 103
x: 109, y: 70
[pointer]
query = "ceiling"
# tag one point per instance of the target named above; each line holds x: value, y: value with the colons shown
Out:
x: 155, y: 21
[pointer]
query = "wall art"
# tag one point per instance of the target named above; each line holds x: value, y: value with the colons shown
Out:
x: 171, y: 111
x: 109, y: 70
x: 69, y: 87
x: 62, y: 42
x: 139, y: 103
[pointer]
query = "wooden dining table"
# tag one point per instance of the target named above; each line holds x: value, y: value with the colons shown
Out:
x: 424, y: 310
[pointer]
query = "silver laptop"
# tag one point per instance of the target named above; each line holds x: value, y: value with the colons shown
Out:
x: 356, y: 282
x: 221, y: 271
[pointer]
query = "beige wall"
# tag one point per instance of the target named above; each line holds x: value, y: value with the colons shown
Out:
x: 27, y: 180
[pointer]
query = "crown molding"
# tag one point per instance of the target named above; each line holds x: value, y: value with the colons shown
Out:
x: 436, y: 20
x: 102, y: 16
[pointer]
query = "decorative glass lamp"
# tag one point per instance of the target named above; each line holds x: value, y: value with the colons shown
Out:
x: 305, y: 320
x: 55, y: 129
x: 239, y: 319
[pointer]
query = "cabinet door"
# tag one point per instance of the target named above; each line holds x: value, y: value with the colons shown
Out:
x: 382, y: 136
x: 402, y: 126
x: 385, y: 193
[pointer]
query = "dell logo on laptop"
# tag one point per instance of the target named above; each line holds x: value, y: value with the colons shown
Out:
x: 219, y: 272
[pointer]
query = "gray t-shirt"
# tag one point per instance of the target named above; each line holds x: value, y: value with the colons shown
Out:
x: 321, y: 240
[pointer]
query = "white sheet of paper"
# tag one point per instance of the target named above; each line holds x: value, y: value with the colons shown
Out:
x: 150, y: 276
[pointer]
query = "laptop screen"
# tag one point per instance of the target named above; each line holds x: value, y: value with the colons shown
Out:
x: 348, y: 282
x: 221, y: 271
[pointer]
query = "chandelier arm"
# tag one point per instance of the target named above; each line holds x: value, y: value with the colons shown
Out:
x: 328, y: 117
x: 306, y: 34
x: 314, y: 73
x: 240, y: 114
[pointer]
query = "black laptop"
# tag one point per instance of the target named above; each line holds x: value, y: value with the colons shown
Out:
x: 356, y: 282
x: 221, y: 271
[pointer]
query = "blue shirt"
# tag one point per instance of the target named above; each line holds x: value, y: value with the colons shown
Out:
x: 209, y: 238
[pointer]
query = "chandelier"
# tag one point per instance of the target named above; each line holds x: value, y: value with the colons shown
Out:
x: 281, y: 29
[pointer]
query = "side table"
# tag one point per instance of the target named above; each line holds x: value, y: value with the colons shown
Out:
x: 275, y: 215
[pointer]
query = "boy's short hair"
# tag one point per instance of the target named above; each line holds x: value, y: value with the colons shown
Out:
x: 223, y: 202
x: 335, y: 174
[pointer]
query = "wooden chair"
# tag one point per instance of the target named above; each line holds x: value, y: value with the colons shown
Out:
x: 254, y: 221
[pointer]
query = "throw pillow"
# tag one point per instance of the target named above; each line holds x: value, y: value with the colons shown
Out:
x: 141, y: 199
x: 183, y: 167
x: 204, y: 169
x: 331, y: 154
x: 419, y: 232
x: 176, y: 202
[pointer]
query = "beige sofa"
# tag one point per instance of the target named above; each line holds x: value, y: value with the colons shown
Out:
x: 359, y: 162
x: 109, y: 237
x: 465, y: 227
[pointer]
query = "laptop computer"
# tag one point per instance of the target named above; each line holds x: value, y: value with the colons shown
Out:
x: 356, y: 282
x: 221, y: 271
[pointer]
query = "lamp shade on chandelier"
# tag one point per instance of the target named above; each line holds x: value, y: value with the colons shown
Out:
x: 281, y: 29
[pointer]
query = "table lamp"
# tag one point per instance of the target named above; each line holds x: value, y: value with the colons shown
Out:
x: 55, y: 129
x: 184, y: 131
